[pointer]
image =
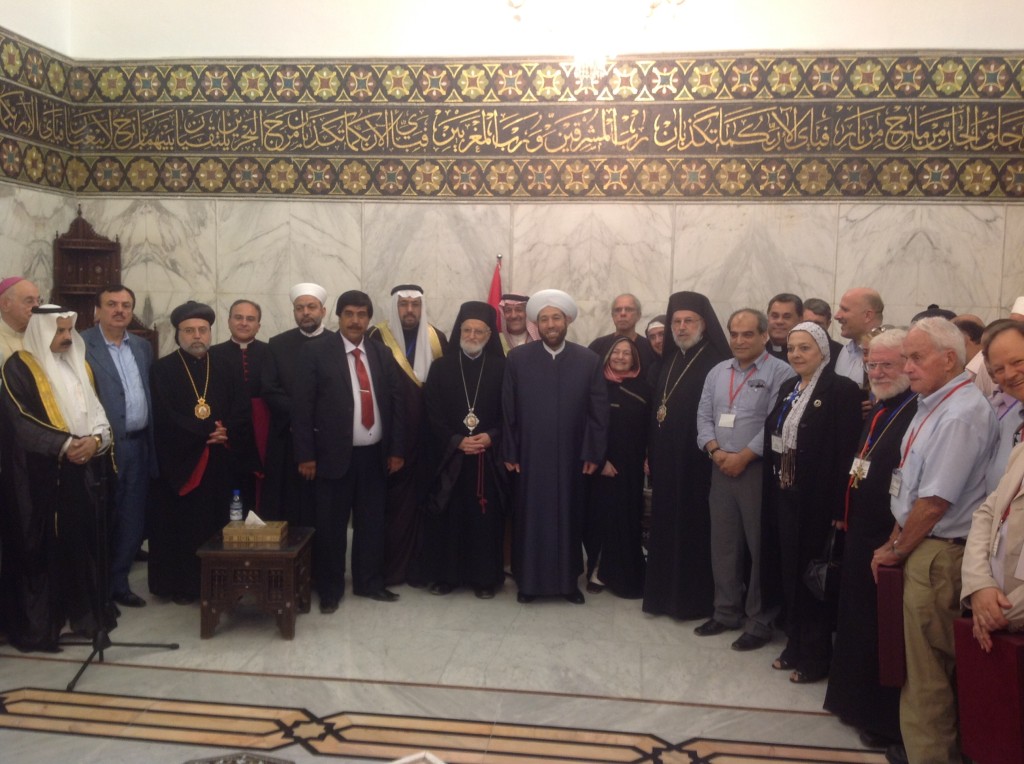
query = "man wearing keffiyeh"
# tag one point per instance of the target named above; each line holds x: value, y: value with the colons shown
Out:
x: 56, y: 442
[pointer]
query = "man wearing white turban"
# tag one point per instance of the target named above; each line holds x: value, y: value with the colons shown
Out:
x: 285, y: 495
x: 555, y: 406
x: 56, y: 469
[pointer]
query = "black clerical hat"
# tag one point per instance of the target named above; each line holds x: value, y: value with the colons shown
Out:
x: 192, y: 309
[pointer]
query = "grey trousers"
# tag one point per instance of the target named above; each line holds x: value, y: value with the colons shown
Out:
x: 735, y: 529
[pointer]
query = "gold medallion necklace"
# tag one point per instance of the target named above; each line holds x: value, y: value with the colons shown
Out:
x: 471, y: 420
x: 202, y: 409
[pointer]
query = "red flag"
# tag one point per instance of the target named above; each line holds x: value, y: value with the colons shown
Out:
x: 494, y: 296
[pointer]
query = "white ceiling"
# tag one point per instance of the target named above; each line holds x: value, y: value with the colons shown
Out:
x: 138, y: 29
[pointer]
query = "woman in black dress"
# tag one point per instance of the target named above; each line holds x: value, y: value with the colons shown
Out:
x: 854, y: 694
x: 810, y: 437
x: 612, y: 536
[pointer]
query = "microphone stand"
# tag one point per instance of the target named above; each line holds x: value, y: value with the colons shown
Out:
x: 100, y: 584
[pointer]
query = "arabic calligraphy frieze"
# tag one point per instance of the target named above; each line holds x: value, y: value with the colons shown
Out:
x: 755, y: 126
x: 520, y: 130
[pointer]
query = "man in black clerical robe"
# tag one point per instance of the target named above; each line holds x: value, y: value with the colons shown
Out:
x: 199, y: 412
x: 679, y: 581
x: 415, y: 344
x: 56, y: 483
x: 555, y: 407
x: 286, y: 496
x: 466, y: 506
x: 247, y: 356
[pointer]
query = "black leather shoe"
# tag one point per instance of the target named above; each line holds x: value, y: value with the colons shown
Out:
x: 485, y: 593
x: 524, y: 599
x: 710, y: 628
x: 328, y: 606
x: 575, y: 598
x: 896, y: 754
x: 440, y: 588
x: 383, y: 595
x: 871, y: 740
x: 129, y: 599
x: 747, y: 642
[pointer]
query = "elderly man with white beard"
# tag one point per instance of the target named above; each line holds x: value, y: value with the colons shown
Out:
x: 465, y: 525
x: 854, y: 693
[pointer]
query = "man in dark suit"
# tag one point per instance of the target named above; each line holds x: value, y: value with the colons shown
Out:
x: 120, y: 364
x: 348, y: 431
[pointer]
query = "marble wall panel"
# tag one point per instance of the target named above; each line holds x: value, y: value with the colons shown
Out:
x: 920, y: 254
x: 325, y: 240
x: 252, y: 250
x: 740, y: 255
x: 594, y: 253
x: 449, y: 250
x: 29, y: 222
x: 166, y: 244
x: 1013, y: 260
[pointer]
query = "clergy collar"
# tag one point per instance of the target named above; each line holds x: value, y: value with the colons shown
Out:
x: 245, y: 345
x: 554, y: 351
x: 315, y: 333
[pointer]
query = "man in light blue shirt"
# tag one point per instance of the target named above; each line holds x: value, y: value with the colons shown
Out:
x: 860, y: 311
x: 934, y: 492
x: 120, y: 362
x: 737, y: 396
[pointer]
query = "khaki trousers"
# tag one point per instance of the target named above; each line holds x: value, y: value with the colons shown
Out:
x: 931, y: 602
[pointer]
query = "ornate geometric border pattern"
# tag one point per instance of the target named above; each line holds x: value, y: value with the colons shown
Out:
x: 374, y: 736
x: 770, y: 127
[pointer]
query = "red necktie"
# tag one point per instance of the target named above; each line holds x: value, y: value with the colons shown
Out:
x: 365, y: 396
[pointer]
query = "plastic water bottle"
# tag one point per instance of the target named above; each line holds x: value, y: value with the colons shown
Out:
x: 236, y: 506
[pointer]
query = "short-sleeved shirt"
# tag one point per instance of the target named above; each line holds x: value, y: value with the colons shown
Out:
x: 753, y: 399
x: 952, y: 442
x: 850, y: 363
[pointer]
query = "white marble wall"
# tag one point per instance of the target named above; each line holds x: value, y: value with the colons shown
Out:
x: 968, y: 257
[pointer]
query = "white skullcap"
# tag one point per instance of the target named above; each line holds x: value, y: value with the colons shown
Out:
x: 313, y: 290
x: 1018, y: 306
x: 551, y: 298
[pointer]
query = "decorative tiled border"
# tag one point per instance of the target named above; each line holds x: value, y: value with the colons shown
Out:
x: 768, y: 127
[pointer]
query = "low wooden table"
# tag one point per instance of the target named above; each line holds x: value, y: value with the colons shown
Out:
x: 276, y: 578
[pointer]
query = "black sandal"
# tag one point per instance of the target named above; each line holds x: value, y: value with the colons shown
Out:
x: 781, y: 664
x: 799, y: 677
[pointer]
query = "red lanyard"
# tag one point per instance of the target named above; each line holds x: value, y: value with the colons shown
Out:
x: 732, y: 378
x: 913, y: 435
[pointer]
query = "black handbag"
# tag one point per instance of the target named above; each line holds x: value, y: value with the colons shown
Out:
x: 822, y: 573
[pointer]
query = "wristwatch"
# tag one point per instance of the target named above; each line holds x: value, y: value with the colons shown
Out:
x: 711, y: 453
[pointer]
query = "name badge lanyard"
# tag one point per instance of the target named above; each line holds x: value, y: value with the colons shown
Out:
x: 913, y: 435
x: 732, y: 378
x: 897, y: 474
x: 858, y: 472
x: 729, y: 419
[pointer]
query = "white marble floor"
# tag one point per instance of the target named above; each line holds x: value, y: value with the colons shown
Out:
x: 601, y: 666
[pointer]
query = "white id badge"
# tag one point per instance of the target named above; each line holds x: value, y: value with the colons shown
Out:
x: 727, y: 420
x: 777, y: 444
x: 896, y: 483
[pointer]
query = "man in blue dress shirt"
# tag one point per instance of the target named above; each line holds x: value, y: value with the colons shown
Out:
x: 120, y: 363
x: 737, y: 396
